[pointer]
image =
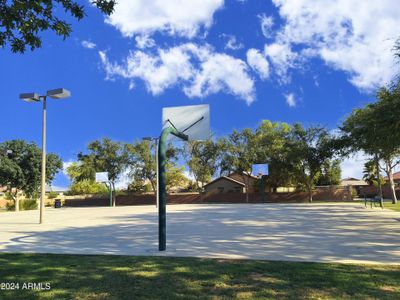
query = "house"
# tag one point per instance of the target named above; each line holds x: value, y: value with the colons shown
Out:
x: 55, y: 189
x: 232, y: 183
x: 354, y: 183
x: 224, y: 184
x: 396, y: 178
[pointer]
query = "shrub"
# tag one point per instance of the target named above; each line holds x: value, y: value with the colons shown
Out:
x: 52, y: 195
x: 28, y: 204
x: 10, y: 206
x: 8, y: 196
x: 87, y: 187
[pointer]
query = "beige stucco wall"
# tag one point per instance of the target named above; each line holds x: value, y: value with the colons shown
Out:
x: 251, y: 181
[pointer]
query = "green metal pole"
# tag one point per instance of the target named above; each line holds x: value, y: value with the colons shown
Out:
x: 162, y: 181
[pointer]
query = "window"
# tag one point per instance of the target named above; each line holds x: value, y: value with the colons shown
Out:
x: 238, y: 189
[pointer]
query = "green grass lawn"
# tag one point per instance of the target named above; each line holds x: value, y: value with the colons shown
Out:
x: 128, y: 277
x: 391, y: 206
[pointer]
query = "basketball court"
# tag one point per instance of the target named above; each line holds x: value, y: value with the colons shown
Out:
x: 293, y: 232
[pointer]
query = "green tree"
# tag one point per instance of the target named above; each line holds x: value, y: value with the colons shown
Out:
x: 243, y: 154
x: 175, y: 177
x: 139, y: 187
x: 105, y: 156
x: 272, y: 139
x: 370, y: 174
x: 375, y: 129
x: 202, y: 160
x: 310, y: 148
x: 20, y: 168
x: 142, y: 163
x: 21, y: 22
x: 83, y: 180
x: 224, y: 158
x: 331, y: 173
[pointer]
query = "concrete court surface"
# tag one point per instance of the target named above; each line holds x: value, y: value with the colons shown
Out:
x: 293, y: 232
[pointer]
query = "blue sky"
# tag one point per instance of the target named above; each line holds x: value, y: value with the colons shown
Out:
x: 282, y: 60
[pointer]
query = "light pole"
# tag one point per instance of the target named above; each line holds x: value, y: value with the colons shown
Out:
x: 34, y: 97
x: 155, y: 139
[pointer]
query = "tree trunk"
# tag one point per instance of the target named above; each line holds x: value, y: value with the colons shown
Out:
x: 114, y: 196
x: 153, y: 187
x: 246, y: 183
x: 392, y: 189
x: 16, y: 201
x: 201, y: 192
x: 310, y: 194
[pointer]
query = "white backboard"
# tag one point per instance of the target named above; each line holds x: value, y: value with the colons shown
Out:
x: 260, y: 169
x: 184, y: 116
x: 102, y: 177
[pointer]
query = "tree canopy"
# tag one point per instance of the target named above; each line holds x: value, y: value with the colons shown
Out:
x: 375, y: 130
x: 104, y: 156
x: 142, y: 164
x: 20, y: 167
x: 272, y: 138
x: 202, y: 160
x: 310, y: 149
x: 82, y: 180
x: 21, y: 22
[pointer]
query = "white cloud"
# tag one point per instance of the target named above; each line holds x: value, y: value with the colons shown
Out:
x: 179, y: 17
x: 144, y: 41
x: 198, y: 70
x: 349, y: 35
x: 266, y: 25
x: 353, y: 166
x: 189, y: 175
x: 282, y: 58
x: 290, y: 100
x: 88, y: 45
x: 316, y: 80
x: 66, y: 164
x: 123, y: 180
x: 258, y: 63
x: 232, y: 43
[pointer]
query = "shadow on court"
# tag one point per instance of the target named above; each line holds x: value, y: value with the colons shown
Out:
x: 298, y: 232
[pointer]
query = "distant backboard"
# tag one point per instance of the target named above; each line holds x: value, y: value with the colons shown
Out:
x: 102, y: 177
x: 184, y: 116
x: 260, y: 169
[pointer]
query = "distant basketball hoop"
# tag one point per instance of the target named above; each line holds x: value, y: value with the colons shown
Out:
x: 102, y: 177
